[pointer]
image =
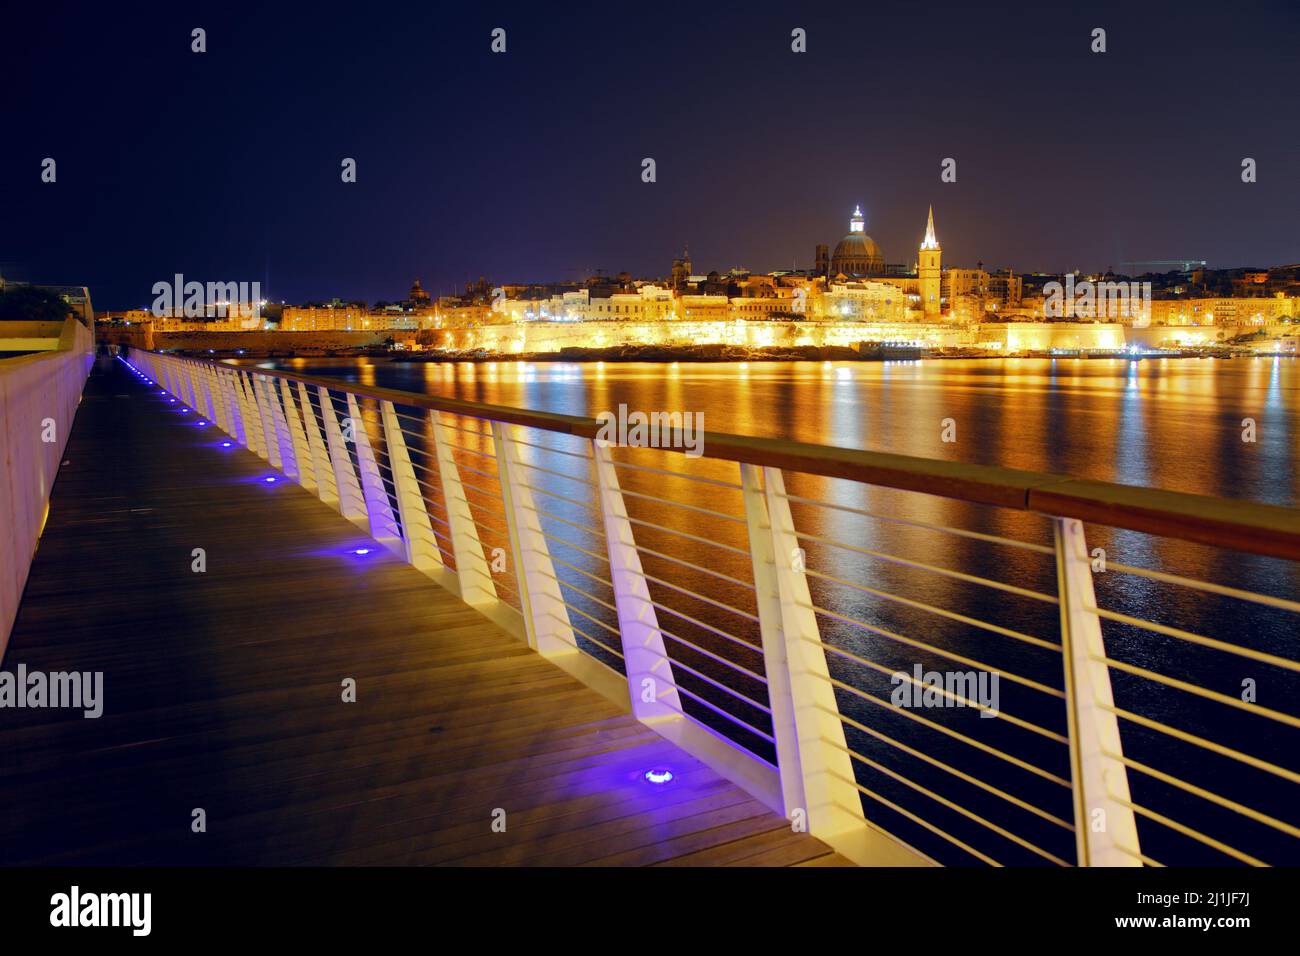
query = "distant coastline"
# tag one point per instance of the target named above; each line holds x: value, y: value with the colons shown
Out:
x: 728, y: 353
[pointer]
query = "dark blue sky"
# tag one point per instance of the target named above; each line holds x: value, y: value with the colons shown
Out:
x: 526, y: 166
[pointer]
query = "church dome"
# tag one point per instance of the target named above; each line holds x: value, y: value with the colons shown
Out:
x: 857, y: 253
x: 857, y: 245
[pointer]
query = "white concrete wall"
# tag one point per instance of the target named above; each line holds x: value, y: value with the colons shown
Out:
x: 34, y: 388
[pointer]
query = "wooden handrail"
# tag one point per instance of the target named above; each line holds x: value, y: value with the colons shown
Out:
x: 1252, y: 527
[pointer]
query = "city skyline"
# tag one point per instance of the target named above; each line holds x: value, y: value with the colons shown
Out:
x: 889, y: 261
x: 758, y: 149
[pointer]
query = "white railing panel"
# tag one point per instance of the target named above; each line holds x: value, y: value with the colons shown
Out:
x: 546, y: 619
x: 420, y: 545
x: 1103, y: 826
x: 477, y: 588
x: 651, y: 686
x: 817, y: 767
x: 383, y: 525
x: 298, y: 437
x: 326, y: 485
x: 352, y: 504
x: 270, y: 438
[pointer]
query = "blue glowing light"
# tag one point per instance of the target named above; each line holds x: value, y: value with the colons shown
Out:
x: 361, y: 551
x: 225, y: 444
x: 269, y: 478
x: 659, y: 776
x: 202, y: 423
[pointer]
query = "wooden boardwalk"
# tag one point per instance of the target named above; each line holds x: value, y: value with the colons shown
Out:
x: 222, y: 691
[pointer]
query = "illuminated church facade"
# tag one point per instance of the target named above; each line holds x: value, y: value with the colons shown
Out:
x: 858, y: 261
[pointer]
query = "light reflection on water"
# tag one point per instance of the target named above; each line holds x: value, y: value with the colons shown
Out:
x: 1170, y: 423
x: 1173, y: 423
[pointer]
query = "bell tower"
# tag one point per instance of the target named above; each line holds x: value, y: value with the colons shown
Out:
x: 929, y: 272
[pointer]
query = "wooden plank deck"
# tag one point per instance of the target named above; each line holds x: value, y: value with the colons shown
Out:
x: 222, y: 691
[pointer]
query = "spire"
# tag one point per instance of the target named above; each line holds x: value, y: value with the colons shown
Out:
x: 930, y: 242
x: 857, y: 223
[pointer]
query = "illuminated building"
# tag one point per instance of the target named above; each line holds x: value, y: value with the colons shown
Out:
x: 344, y: 319
x: 763, y: 308
x: 928, y: 270
x: 1222, y: 311
x: 649, y: 303
x: 1005, y: 288
x: 681, y: 271
x: 857, y: 254
x: 417, y: 296
x: 864, y: 302
x: 453, y: 312
x: 704, y: 308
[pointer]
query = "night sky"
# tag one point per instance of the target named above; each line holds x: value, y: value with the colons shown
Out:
x: 225, y: 166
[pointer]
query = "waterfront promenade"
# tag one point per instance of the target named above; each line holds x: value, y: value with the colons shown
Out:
x: 223, y: 690
x: 343, y: 623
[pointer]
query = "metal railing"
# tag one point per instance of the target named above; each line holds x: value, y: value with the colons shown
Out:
x: 915, y: 660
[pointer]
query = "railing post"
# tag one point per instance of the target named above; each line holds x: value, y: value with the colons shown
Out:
x: 173, y: 379
x: 252, y: 415
x: 188, y: 393
x: 1103, y: 822
x: 180, y: 373
x: 175, y: 384
x: 203, y: 377
x: 645, y: 659
x: 270, y: 441
x: 202, y: 403
x: 199, y: 400
x: 234, y: 408
x: 352, y: 505
x: 816, y: 771
x: 288, y: 460
x: 383, y: 525
x: 217, y: 396
x: 420, y: 545
x: 298, y: 436
x: 546, y: 619
x: 477, y: 588
x: 234, y: 423
x: 326, y: 487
